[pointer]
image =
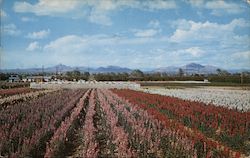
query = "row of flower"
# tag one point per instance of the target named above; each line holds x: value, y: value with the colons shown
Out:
x: 112, y: 127
x: 58, y: 141
x: 9, y: 85
x: 145, y: 136
x: 13, y: 91
x: 115, y: 128
x: 101, y: 123
x: 25, y: 127
x: 233, y: 98
x: 227, y: 126
x: 22, y: 97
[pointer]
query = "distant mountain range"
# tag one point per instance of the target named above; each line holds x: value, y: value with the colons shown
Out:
x: 192, y: 68
x: 64, y: 68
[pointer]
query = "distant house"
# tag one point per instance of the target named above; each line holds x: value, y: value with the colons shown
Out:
x: 206, y: 80
x: 38, y: 78
x: 14, y: 78
x: 47, y: 78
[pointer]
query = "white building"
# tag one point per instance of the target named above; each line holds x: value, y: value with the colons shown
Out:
x: 14, y: 78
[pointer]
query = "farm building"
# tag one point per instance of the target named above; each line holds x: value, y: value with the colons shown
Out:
x: 38, y: 78
x: 14, y: 78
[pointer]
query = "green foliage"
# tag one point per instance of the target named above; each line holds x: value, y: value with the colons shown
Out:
x: 77, y: 75
x: 8, y: 85
x: 4, y: 76
x: 111, y: 76
x: 222, y: 76
x: 137, y: 74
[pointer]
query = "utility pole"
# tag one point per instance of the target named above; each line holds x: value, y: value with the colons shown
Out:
x: 42, y: 73
x: 56, y: 70
x: 241, y: 77
x: 43, y: 70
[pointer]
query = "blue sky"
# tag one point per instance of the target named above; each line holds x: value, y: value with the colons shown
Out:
x: 129, y: 33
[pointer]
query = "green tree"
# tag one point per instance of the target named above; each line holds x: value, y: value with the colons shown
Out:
x: 222, y: 72
x: 85, y: 75
x: 73, y: 75
x: 137, y: 73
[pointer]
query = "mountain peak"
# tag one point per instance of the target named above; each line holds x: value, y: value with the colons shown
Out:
x: 112, y: 68
x: 191, y: 68
x: 194, y: 65
x: 61, y: 66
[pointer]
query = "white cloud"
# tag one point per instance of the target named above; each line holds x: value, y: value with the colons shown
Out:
x: 96, y: 11
x: 83, y: 50
x: 240, y: 59
x: 96, y: 16
x: 73, y: 49
x: 195, y: 51
x: 190, y: 31
x: 145, y: 33
x: 188, y: 53
x: 11, y: 29
x: 66, y: 8
x: 73, y: 44
x: 158, y: 4
x: 46, y: 7
x: 239, y: 22
x: 27, y: 19
x: 196, y: 3
x: 66, y: 44
x: 181, y: 24
x: 33, y: 46
x: 242, y: 55
x: 39, y: 35
x: 3, y: 13
x: 154, y: 23
x: 218, y: 7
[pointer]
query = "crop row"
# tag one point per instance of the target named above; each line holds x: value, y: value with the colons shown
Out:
x: 13, y: 91
x: 9, y: 85
x: 25, y: 127
x: 232, y: 98
x: 22, y: 97
x: 59, y: 137
x: 147, y: 135
x: 114, y: 128
x: 228, y: 126
x: 102, y: 123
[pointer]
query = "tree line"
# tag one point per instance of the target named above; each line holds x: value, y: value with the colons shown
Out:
x: 138, y: 75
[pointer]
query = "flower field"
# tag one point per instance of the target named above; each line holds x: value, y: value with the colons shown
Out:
x: 229, y: 98
x: 20, y: 95
x: 13, y: 91
x: 120, y: 123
